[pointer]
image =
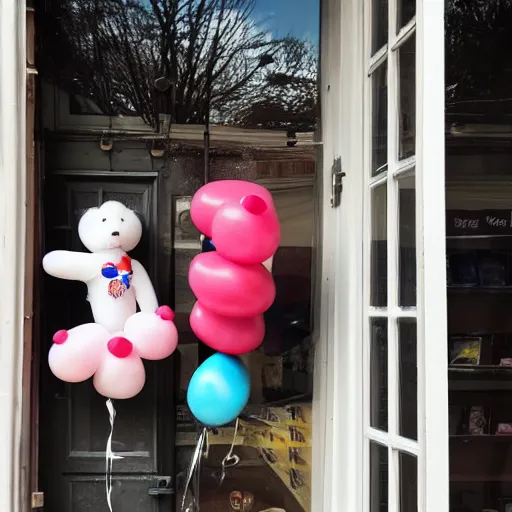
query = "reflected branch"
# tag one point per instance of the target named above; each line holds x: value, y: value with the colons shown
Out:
x: 186, y: 58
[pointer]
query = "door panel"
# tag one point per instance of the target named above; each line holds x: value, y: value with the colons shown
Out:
x: 74, y: 418
x: 87, y: 494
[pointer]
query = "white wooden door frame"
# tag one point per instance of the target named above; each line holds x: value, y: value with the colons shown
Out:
x: 430, y: 214
x: 337, y: 435
x: 12, y: 249
x: 338, y: 439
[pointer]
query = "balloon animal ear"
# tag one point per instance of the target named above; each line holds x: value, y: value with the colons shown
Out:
x: 254, y: 204
x: 83, y: 211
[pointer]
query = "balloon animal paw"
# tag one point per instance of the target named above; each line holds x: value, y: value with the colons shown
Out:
x: 114, y: 359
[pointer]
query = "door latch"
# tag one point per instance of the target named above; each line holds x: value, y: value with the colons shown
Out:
x: 337, y: 176
x: 163, y: 487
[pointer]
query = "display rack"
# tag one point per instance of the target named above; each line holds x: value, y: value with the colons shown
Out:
x: 479, y: 290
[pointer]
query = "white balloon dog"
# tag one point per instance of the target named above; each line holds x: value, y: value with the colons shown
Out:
x: 111, y: 348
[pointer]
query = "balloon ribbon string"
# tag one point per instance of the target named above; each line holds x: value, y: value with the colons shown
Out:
x: 195, y: 466
x: 110, y: 456
x: 230, y: 460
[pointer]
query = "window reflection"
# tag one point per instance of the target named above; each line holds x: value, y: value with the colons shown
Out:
x: 230, y: 88
x: 243, y: 63
x: 273, y: 439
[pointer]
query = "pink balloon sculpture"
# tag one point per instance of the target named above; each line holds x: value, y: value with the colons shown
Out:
x: 112, y: 348
x: 114, y: 359
x: 232, y: 287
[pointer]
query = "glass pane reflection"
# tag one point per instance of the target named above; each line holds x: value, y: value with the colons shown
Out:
x: 247, y: 63
x: 379, y: 248
x: 407, y: 241
x: 379, y: 373
x: 379, y: 119
x: 275, y: 444
x: 408, y: 482
x: 407, y: 99
x: 406, y: 9
x: 379, y: 24
x: 408, y: 378
x: 379, y: 478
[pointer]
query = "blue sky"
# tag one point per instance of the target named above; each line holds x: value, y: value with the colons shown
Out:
x: 299, y: 18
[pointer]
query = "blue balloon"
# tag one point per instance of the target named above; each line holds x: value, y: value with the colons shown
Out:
x: 219, y: 390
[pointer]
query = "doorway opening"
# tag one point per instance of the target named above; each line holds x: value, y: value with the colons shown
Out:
x: 126, y: 116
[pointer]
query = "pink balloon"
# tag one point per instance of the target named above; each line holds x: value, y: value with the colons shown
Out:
x: 120, y: 374
x: 76, y: 354
x: 230, y: 289
x: 153, y: 335
x: 247, y: 232
x: 212, y: 196
x: 227, y: 334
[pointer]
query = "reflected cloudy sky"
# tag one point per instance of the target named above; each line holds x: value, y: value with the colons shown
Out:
x: 299, y: 18
x: 259, y: 71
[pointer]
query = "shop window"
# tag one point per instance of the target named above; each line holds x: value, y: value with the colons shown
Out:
x: 478, y: 254
x: 144, y: 101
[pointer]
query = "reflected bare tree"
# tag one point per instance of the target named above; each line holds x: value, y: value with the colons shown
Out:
x: 186, y: 58
x: 284, y: 95
x: 478, y: 58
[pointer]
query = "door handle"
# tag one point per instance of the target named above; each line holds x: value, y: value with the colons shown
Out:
x: 163, y: 487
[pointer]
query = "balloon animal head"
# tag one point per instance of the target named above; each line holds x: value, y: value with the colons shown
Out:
x: 111, y: 226
x: 240, y: 219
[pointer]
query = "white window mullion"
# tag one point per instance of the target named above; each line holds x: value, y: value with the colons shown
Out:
x: 396, y: 442
x: 392, y: 266
x: 403, y: 35
x: 404, y: 167
x: 433, y: 469
x: 394, y: 480
x: 377, y: 59
x: 392, y: 232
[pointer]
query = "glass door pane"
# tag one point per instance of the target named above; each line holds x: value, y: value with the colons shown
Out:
x: 391, y: 425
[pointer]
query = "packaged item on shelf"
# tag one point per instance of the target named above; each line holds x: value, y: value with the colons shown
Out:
x: 465, y: 350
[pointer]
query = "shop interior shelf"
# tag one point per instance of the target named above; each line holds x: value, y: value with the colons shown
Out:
x: 488, y: 371
x: 480, y: 378
x: 483, y: 458
x: 484, y: 290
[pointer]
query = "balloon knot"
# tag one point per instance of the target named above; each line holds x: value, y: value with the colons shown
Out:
x: 120, y: 347
x: 60, y: 337
x: 254, y: 204
x: 165, y: 313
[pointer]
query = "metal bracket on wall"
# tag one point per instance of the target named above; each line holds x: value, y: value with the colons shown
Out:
x: 37, y: 500
x: 337, y: 176
x: 163, y: 487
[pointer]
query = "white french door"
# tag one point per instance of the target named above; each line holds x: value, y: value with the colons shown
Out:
x: 387, y: 376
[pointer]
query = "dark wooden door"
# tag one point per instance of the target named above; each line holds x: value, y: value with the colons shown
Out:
x: 74, y: 418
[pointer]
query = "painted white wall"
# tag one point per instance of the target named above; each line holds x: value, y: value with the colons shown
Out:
x: 12, y: 241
